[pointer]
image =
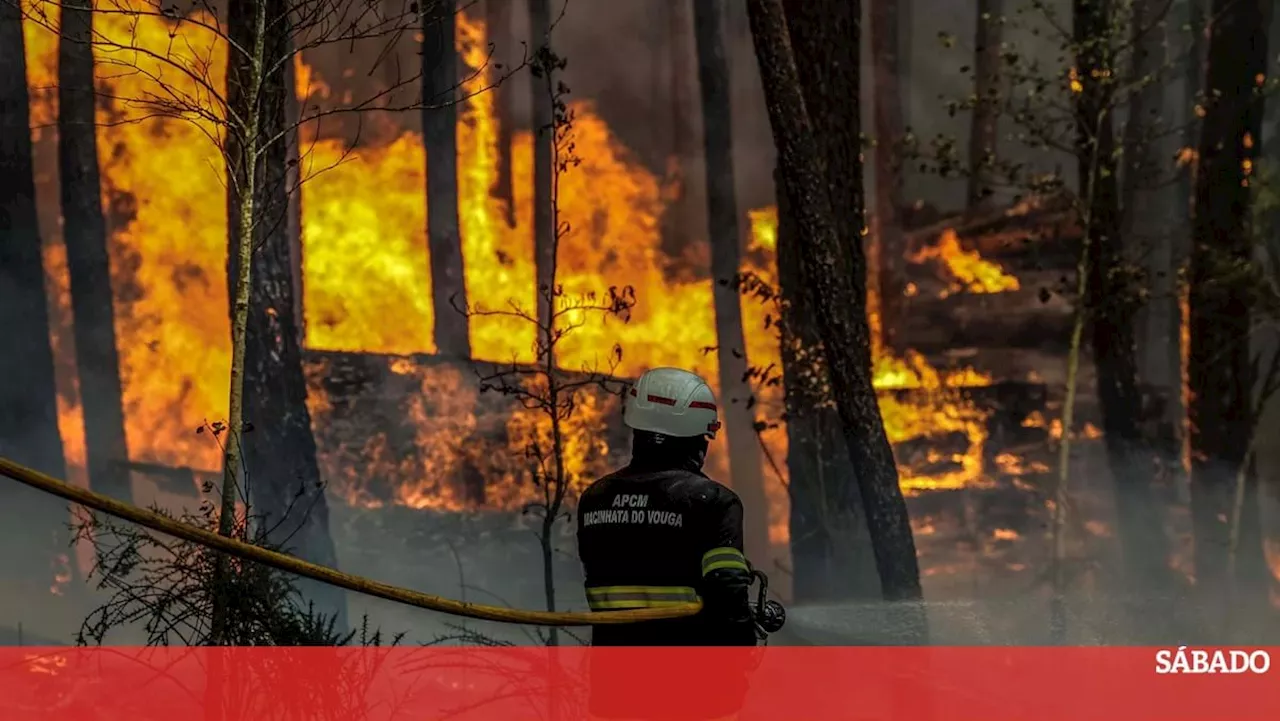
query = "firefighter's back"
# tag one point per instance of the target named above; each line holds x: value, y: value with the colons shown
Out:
x: 642, y: 537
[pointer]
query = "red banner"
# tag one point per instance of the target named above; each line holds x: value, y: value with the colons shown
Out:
x: 510, y: 684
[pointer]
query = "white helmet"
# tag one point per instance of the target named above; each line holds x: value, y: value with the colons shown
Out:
x: 672, y: 402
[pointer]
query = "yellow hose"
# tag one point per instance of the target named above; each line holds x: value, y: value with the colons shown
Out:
x: 258, y: 554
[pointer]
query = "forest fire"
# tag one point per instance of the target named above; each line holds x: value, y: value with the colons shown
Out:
x: 969, y: 272
x: 367, y: 290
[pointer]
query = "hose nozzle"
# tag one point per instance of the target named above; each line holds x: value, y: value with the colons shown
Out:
x: 769, y: 615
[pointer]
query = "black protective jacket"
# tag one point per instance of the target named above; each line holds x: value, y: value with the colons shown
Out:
x: 652, y: 535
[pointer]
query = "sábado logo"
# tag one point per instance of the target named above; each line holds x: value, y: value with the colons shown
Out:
x: 1199, y: 660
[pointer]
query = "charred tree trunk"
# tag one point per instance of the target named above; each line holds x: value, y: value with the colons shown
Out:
x: 1113, y: 299
x: 1193, y: 87
x: 440, y: 136
x: 831, y: 549
x: 984, y: 125
x: 1193, y: 82
x: 722, y: 215
x: 28, y: 395
x: 497, y: 20
x: 889, y: 131
x: 293, y: 180
x: 831, y: 556
x: 837, y: 297
x: 1221, y: 376
x: 1148, y: 205
x: 1152, y: 241
x: 88, y: 264
x: 544, y: 230
x: 283, y: 476
x: 825, y: 44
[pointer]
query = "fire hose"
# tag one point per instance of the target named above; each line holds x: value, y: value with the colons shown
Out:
x: 292, y: 564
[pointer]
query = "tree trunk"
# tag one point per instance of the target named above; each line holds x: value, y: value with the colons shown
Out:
x: 1221, y: 378
x: 544, y: 230
x: 837, y: 297
x: 28, y: 394
x: 293, y: 175
x: 497, y: 20
x: 283, y: 482
x: 1151, y: 241
x: 1193, y: 87
x: 269, y: 445
x: 825, y: 42
x: 245, y: 68
x: 1112, y: 300
x: 984, y: 124
x: 722, y: 215
x: 1193, y: 80
x: 440, y: 136
x: 1148, y: 206
x: 831, y: 549
x: 831, y: 557
x: 889, y: 132
x: 85, y: 231
x: 556, y: 485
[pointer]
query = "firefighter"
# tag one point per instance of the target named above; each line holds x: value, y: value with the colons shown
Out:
x: 660, y: 532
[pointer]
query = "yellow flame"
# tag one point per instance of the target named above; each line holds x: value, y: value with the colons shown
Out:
x: 967, y: 269
x: 1073, y: 79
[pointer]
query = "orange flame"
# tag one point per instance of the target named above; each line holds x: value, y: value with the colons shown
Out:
x: 1272, y: 550
x: 967, y: 269
x: 932, y: 407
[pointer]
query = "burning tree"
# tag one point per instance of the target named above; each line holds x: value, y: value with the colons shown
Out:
x: 229, y: 79
x: 554, y: 394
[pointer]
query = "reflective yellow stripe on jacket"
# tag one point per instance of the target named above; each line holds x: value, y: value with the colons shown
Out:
x: 718, y: 558
x: 612, y: 598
